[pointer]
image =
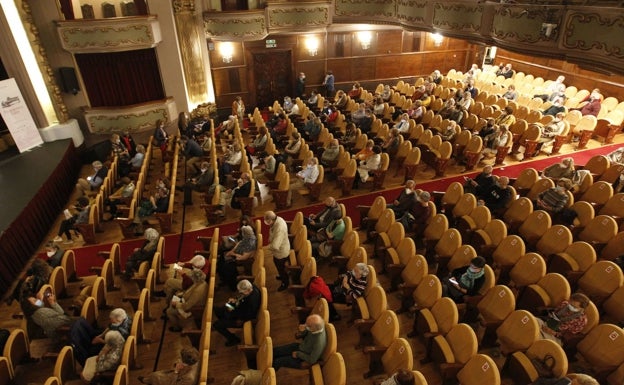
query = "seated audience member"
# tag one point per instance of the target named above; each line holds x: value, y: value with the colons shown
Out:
x: 350, y: 136
x: 137, y: 160
x: 616, y: 156
x: 308, y: 175
x: 448, y: 133
x: 565, y: 320
x: 279, y: 127
x: 242, y: 251
x: 506, y: 117
x: 554, y: 199
x: 403, y: 125
x: 361, y: 113
x: 556, y: 107
x: 312, y: 101
x: 308, y: 352
x: 480, y: 183
x: 46, y: 313
x: 107, y: 360
x: 499, y: 138
x: 569, y: 379
x: 419, y: 92
x: 88, y: 341
x: 230, y: 196
x: 366, y: 166
x: 497, y: 196
x: 401, y: 377
x: 470, y: 87
x: 226, y: 127
x: 287, y: 105
x: 447, y: 107
x: 415, y: 219
x: 323, y: 238
x: 405, y: 200
x: 237, y: 310
x: 366, y: 152
x: 294, y: 111
x: 330, y: 154
x: 182, y: 303
x: 157, y: 203
x: 54, y: 254
x: 259, y: 142
x: 229, y: 241
x: 466, y: 101
x: 391, y: 145
x: 511, y: 94
x: 348, y: 287
x: 355, y: 91
x: 83, y: 208
x: 183, y: 269
x: 266, y: 169
x: 379, y: 107
x: 202, y: 179
x: 426, y: 100
x: 386, y: 93
x: 231, y: 159
x: 593, y: 105
x: 436, y: 76
x: 487, y: 130
x: 192, y: 152
x: 128, y: 142
x: 312, y: 127
x: 465, y: 281
x: 456, y: 114
x: 505, y: 72
x: 93, y: 181
x: 143, y: 253
x: 323, y: 218
x: 554, y: 91
x: 549, y: 132
x: 341, y: 100
x: 117, y: 148
x: 184, y: 372
x: 565, y: 169
x: 37, y: 276
x: 416, y: 111
x: 291, y: 151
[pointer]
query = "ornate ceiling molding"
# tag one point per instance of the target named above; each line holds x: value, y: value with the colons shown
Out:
x: 465, y: 17
x: 106, y: 35
x: 229, y: 26
x: 136, y: 118
x: 605, y: 32
x: 298, y: 16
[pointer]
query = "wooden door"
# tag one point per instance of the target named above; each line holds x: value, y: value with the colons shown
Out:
x: 272, y: 76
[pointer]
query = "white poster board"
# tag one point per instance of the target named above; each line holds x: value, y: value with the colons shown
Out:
x: 17, y: 116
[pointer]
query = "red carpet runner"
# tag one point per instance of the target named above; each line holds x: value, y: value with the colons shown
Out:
x: 87, y: 256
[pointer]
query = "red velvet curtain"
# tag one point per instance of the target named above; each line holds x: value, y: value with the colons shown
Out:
x: 67, y: 9
x: 117, y: 79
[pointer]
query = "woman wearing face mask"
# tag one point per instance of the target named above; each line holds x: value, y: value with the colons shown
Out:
x: 48, y: 314
x: 555, y: 199
x: 567, y: 319
x: 403, y: 125
x: 107, y: 360
x: 465, y: 281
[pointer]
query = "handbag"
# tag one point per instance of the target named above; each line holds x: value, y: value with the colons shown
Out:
x: 544, y: 366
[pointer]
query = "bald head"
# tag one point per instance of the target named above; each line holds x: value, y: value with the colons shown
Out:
x: 315, y: 323
x: 330, y: 201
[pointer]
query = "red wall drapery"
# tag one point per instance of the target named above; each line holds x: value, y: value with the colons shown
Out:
x: 117, y: 79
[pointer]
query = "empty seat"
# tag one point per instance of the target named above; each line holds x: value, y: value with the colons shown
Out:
x: 479, y: 370
x: 523, y: 370
x: 453, y: 350
x: 529, y: 269
x: 397, y: 356
x: 547, y: 292
x: 603, y: 349
x: 600, y: 281
x: 519, y: 331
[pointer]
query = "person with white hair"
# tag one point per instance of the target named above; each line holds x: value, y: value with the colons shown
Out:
x: 182, y: 303
x: 242, y: 251
x: 348, y: 287
x: 237, y: 310
x: 87, y: 341
x: 107, y: 360
x: 93, y: 181
x: 279, y: 245
x: 183, y: 281
x: 554, y: 91
x: 405, y: 200
x: 143, y: 253
x: 308, y: 352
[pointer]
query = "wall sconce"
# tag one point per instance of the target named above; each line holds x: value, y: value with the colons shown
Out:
x: 311, y: 44
x: 365, y: 38
x: 437, y: 39
x: 227, y: 52
x: 548, y: 29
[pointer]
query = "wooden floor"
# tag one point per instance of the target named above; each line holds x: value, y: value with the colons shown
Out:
x: 224, y: 365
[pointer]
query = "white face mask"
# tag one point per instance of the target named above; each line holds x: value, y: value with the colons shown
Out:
x: 115, y: 324
x: 308, y: 328
x: 50, y: 253
x: 202, y: 170
x: 39, y: 303
x: 408, y: 190
x: 161, y: 185
x: 573, y: 308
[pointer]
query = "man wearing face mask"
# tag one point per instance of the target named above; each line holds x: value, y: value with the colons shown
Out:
x: 279, y: 245
x: 300, y: 85
x: 556, y: 107
x: 54, y: 254
x: 405, y: 200
x: 481, y: 183
x: 465, y: 281
x: 93, y: 182
x: 330, y: 154
x: 554, y: 199
x: 565, y: 320
x: 183, y: 269
x: 322, y: 219
x: 308, y: 352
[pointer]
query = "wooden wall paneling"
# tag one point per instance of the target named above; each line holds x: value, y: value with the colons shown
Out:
x: 363, y: 68
x: 388, y: 42
x: 315, y: 73
x: 341, y: 69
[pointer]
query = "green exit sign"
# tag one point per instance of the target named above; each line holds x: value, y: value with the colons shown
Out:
x: 270, y: 43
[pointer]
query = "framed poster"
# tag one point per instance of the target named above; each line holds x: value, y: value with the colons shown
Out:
x: 17, y: 116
